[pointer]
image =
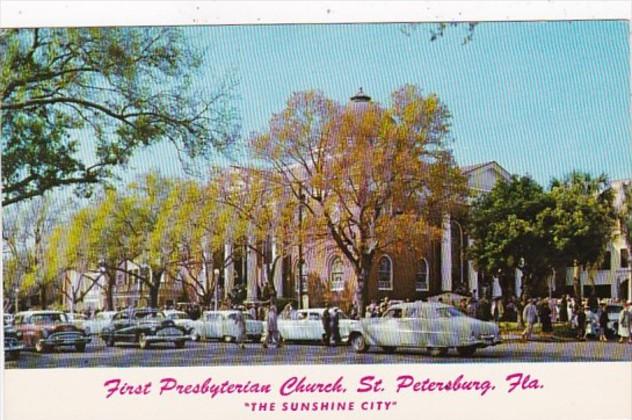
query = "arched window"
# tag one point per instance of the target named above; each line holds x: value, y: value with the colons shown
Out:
x: 335, y: 275
x: 422, y: 276
x: 385, y: 273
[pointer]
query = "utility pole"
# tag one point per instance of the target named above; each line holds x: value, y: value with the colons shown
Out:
x: 300, y: 247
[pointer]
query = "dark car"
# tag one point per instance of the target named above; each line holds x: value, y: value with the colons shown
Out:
x: 45, y: 330
x: 144, y: 326
x: 12, y: 342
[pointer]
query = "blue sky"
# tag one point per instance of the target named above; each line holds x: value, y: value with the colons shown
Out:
x: 540, y: 98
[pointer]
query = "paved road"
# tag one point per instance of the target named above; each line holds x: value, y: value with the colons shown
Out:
x: 214, y: 353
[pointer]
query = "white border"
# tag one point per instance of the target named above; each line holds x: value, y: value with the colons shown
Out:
x: 112, y: 13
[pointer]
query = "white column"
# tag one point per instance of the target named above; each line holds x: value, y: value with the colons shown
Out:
x: 518, y: 285
x: 278, y: 270
x: 229, y: 270
x: 472, y: 274
x: 251, y: 276
x: 446, y: 255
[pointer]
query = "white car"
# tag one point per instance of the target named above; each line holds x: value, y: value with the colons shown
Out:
x: 307, y: 325
x: 434, y: 326
x: 95, y: 325
x: 180, y: 318
x: 221, y: 325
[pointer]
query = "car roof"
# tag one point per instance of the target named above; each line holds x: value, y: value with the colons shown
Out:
x: 419, y: 304
x: 39, y: 312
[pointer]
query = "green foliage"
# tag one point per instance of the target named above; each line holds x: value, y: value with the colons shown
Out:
x: 123, y: 88
x: 518, y: 225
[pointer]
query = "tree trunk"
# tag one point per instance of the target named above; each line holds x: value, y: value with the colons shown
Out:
x: 43, y: 297
x: 154, y: 288
x: 576, y: 281
x: 109, y: 293
x: 362, y: 291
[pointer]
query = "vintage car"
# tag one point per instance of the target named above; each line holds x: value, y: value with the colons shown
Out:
x: 44, y: 330
x: 307, y: 325
x: 143, y: 326
x: 592, y: 321
x: 221, y: 325
x: 434, y: 326
x: 12, y: 342
x: 180, y: 318
x: 95, y: 325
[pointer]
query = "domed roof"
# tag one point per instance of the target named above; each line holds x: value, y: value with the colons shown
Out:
x: 360, y: 97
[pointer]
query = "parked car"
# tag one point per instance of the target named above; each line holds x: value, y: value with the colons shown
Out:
x: 143, y: 326
x: 95, y: 325
x: 434, y: 326
x: 221, y: 325
x: 592, y: 321
x: 12, y: 342
x: 77, y: 319
x: 307, y: 325
x: 44, y: 330
x: 180, y: 318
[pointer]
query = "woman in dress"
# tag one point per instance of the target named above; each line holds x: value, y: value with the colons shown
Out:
x: 624, y: 323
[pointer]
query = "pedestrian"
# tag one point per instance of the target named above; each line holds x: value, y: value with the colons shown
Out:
x: 563, y: 310
x: 545, y: 317
x: 354, y: 314
x: 472, y: 308
x: 529, y: 316
x: 603, y: 323
x: 593, y: 302
x: 580, y: 315
x: 240, y: 334
x: 554, y: 310
x: 484, y: 310
x: 272, y: 335
x: 625, y: 323
x: 334, y: 326
x: 326, y: 320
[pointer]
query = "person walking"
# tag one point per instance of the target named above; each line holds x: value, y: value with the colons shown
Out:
x: 326, y: 320
x: 272, y: 328
x: 580, y: 315
x: 563, y: 310
x: 603, y: 323
x: 334, y: 326
x: 530, y: 317
x: 545, y: 317
x: 625, y: 323
x: 240, y: 335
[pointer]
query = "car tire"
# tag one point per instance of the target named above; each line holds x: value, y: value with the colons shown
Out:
x: 179, y: 344
x: 40, y: 347
x: 142, y: 341
x: 437, y: 351
x: 389, y: 349
x: 80, y: 347
x: 358, y: 343
x: 466, y: 351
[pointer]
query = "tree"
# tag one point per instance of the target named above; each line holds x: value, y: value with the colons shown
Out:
x: 27, y: 235
x: 507, y: 232
x: 580, y: 221
x: 625, y: 221
x: 122, y: 88
x: 374, y: 178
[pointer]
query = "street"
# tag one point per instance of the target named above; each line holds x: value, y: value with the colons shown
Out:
x: 225, y: 354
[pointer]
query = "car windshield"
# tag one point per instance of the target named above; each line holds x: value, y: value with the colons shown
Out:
x: 178, y: 315
x: 149, y: 315
x: 448, y: 312
x: 48, y: 318
x: 614, y: 309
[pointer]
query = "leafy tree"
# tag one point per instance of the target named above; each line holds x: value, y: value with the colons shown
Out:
x: 580, y: 221
x: 121, y: 88
x: 28, y: 233
x: 374, y: 178
x: 507, y: 231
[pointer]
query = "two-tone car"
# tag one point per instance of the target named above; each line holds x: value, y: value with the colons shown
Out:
x: 180, y: 318
x: 101, y: 320
x: 46, y: 330
x: 12, y: 342
x: 307, y: 325
x: 143, y: 326
x: 434, y: 326
x: 222, y: 325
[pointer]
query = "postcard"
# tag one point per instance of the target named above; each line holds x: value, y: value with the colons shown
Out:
x: 289, y: 210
